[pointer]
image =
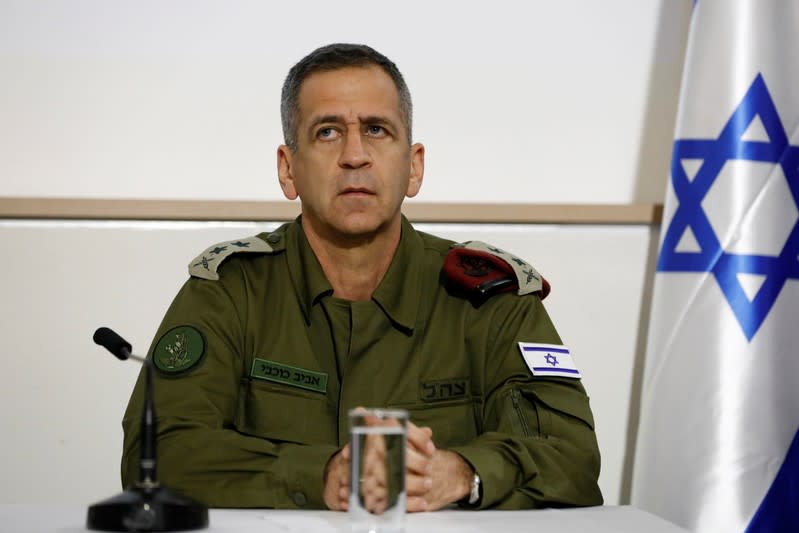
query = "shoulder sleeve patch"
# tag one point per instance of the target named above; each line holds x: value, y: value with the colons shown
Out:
x: 206, y: 264
x: 482, y: 270
x: 179, y: 350
x: 553, y: 360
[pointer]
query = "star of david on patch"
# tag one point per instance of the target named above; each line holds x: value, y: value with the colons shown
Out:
x: 728, y: 266
x: 551, y: 359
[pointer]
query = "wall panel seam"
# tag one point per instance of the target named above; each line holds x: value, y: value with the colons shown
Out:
x: 258, y: 211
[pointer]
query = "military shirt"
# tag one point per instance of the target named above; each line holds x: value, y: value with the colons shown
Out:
x: 255, y: 420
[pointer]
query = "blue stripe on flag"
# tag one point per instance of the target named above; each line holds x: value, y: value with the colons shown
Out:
x: 779, y: 510
x: 542, y: 349
x: 559, y: 370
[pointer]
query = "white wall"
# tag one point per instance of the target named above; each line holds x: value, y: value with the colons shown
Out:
x: 517, y: 101
x: 529, y: 101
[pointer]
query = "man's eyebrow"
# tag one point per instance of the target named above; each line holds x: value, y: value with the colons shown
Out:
x: 339, y: 119
x: 376, y: 119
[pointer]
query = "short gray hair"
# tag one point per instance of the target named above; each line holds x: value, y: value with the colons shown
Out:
x: 334, y: 57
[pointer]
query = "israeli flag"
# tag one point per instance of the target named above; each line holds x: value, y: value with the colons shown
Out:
x: 549, y: 360
x: 717, y: 447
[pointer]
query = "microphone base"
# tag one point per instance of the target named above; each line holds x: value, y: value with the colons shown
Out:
x: 155, y: 508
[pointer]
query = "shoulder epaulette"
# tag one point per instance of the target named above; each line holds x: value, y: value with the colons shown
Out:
x: 480, y: 270
x: 206, y: 264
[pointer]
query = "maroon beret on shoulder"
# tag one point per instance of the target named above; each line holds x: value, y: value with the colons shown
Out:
x: 480, y: 274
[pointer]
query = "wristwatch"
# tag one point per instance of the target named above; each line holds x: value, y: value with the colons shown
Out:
x: 476, y: 493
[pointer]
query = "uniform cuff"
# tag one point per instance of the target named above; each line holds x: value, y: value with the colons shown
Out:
x: 303, y: 470
x: 497, y: 475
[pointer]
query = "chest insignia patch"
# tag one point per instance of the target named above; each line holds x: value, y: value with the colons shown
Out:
x: 549, y: 360
x: 179, y: 350
x: 289, y: 375
x: 445, y: 389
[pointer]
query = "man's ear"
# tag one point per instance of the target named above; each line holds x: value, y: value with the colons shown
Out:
x: 284, y: 174
x: 417, y: 170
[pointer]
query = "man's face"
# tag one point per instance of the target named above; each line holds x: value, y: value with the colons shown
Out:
x: 352, y: 166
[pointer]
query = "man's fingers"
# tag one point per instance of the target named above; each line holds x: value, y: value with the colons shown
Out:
x: 417, y: 463
x: 418, y: 485
x: 344, y: 497
x: 377, y: 477
x: 421, y: 439
x: 415, y: 504
x: 337, y: 478
x: 375, y: 496
x: 375, y: 445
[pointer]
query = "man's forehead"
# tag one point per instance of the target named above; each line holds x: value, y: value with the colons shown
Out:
x: 364, y: 91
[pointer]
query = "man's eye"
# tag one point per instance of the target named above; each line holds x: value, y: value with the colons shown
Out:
x: 376, y: 131
x: 326, y: 133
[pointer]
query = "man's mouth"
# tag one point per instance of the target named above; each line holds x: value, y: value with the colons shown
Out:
x: 357, y: 191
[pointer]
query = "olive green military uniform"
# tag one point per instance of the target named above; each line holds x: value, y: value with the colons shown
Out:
x: 254, y: 421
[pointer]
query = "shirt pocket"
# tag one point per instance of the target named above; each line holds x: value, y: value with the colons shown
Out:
x: 453, y: 423
x: 282, y: 413
x: 546, y: 409
x: 563, y: 403
x: 524, y: 415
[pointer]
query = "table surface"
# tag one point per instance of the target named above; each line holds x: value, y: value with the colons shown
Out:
x: 28, y: 518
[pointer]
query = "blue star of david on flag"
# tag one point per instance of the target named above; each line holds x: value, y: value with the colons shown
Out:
x: 551, y: 359
x: 711, y: 257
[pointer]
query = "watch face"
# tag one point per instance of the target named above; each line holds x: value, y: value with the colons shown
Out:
x: 474, y: 497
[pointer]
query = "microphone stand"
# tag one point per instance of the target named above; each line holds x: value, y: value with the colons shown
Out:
x: 147, y: 505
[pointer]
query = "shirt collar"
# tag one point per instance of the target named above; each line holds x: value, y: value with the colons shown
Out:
x: 397, y: 294
x: 305, y: 271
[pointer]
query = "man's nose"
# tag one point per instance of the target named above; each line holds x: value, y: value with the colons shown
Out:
x: 354, y: 153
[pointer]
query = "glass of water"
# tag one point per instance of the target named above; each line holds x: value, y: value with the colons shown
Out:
x: 378, y: 438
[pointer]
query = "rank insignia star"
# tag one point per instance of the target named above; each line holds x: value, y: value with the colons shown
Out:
x: 218, y: 250
x: 530, y: 275
x: 713, y: 255
x: 204, y: 262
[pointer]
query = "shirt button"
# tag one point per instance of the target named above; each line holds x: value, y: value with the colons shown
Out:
x: 273, y: 238
x: 300, y: 499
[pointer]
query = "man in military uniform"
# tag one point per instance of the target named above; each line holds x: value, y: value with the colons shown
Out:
x: 275, y: 337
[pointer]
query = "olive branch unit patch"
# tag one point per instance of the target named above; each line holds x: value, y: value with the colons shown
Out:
x: 178, y: 350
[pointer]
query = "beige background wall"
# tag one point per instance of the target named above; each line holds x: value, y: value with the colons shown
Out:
x: 526, y: 102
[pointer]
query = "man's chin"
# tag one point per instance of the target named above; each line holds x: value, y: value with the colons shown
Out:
x: 361, y: 228
x: 352, y: 228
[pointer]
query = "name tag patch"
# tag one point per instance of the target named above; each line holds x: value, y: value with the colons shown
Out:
x: 549, y: 360
x: 289, y: 375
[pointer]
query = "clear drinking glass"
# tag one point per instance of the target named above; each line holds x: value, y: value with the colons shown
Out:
x: 378, y: 438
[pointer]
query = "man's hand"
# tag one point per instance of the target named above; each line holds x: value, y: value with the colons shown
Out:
x: 434, y: 478
x: 418, y: 466
x: 374, y: 485
x: 337, y: 481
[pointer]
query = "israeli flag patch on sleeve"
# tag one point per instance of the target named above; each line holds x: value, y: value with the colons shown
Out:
x: 549, y: 360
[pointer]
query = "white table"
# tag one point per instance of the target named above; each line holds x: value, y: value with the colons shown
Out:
x: 29, y: 518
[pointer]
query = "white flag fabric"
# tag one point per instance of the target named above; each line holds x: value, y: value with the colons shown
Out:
x: 717, y: 447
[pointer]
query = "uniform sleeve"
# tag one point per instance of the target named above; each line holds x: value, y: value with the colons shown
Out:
x: 200, y: 453
x: 537, y: 447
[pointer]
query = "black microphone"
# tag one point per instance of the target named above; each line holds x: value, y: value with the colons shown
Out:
x: 111, y: 341
x: 147, y: 505
x: 108, y: 339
